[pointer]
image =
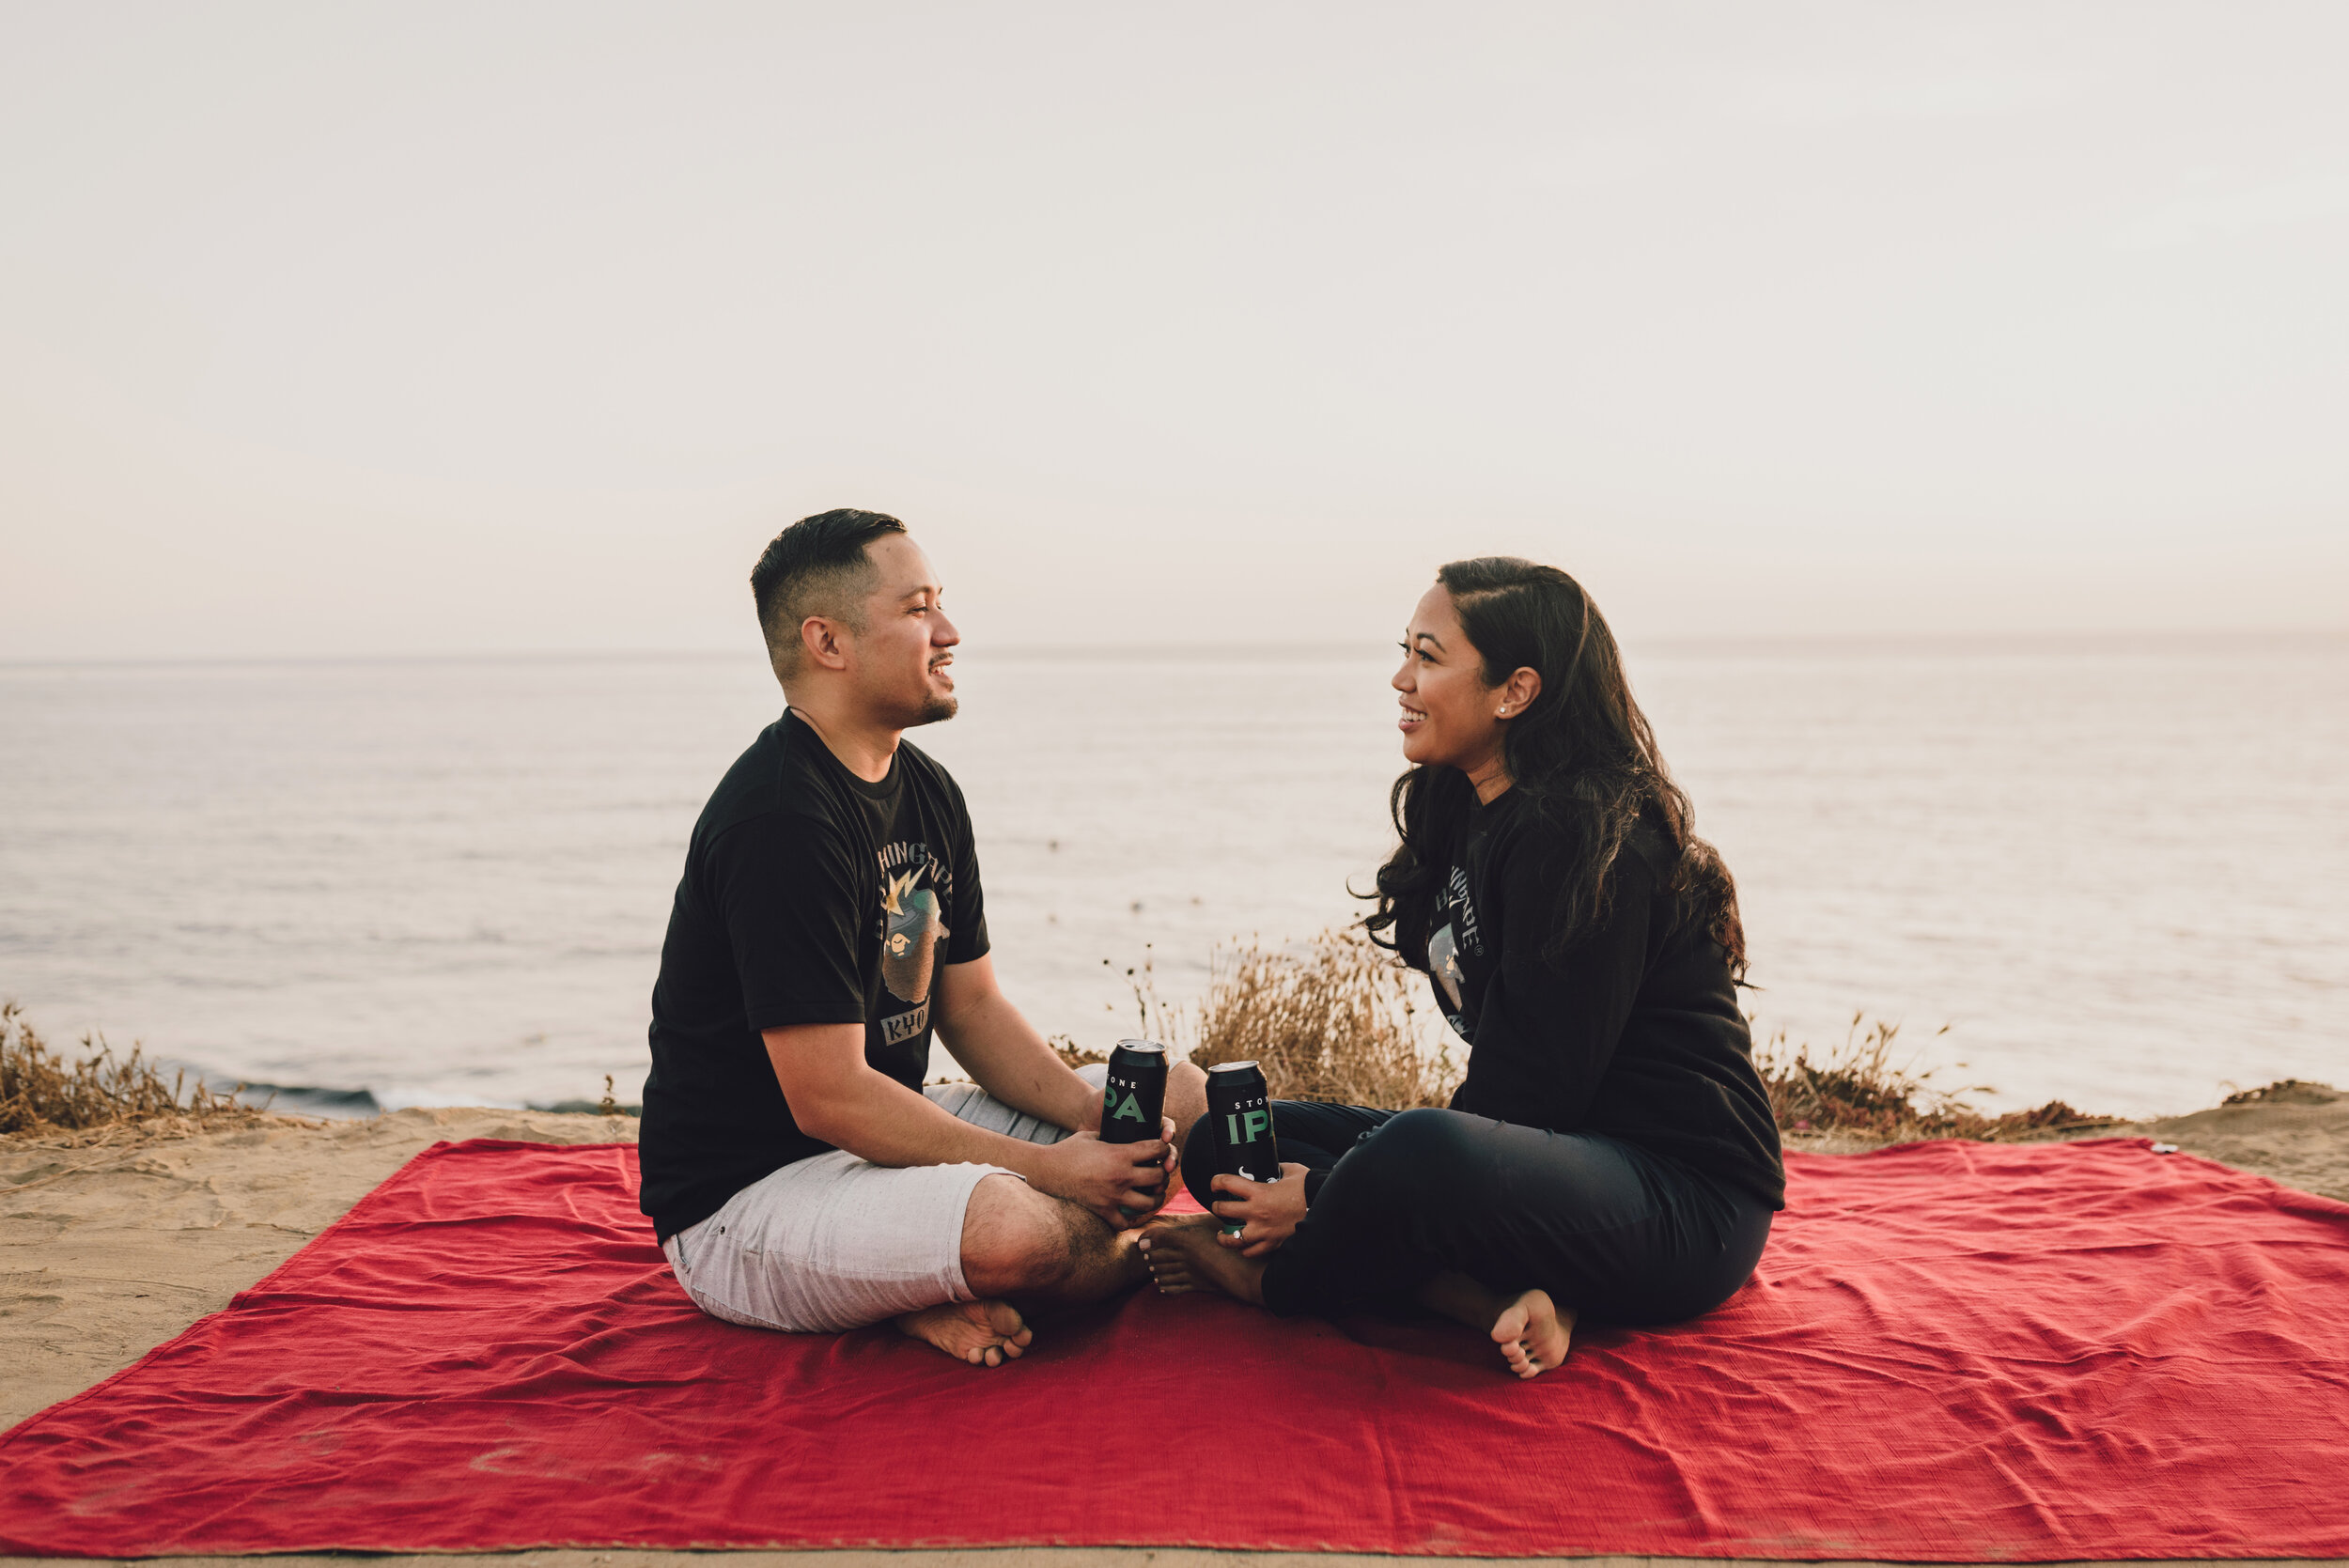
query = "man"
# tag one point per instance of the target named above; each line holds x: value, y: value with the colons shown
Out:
x: 829, y: 918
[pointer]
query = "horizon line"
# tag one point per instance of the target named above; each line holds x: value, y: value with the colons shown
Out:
x: 1228, y: 651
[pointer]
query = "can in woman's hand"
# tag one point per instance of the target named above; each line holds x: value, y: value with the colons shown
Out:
x: 1239, y: 1117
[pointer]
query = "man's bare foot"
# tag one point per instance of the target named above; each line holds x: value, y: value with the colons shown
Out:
x: 984, y: 1333
x: 1533, y: 1333
x: 1184, y: 1255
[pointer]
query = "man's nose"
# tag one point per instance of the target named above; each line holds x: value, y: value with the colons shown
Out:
x: 942, y: 632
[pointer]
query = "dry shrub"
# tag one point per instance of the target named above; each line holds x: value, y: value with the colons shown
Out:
x: 1073, y: 1054
x: 44, y: 1090
x: 1335, y: 1020
x: 1338, y: 1019
x: 1856, y: 1089
x: 1152, y: 1018
x: 2285, y: 1090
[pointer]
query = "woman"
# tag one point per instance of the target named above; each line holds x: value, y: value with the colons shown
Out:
x: 1610, y: 1153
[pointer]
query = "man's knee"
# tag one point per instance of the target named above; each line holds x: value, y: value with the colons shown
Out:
x: 1015, y: 1238
x: 1186, y: 1098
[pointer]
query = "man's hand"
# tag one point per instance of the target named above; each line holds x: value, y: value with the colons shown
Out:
x: 1269, y: 1211
x: 1118, y: 1183
x: 1168, y: 1173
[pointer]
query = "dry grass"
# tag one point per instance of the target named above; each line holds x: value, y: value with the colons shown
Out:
x: 1858, y: 1090
x: 1073, y: 1054
x: 44, y: 1090
x: 1335, y: 1020
x: 1340, y: 1019
x: 2286, y: 1090
x: 1152, y: 1018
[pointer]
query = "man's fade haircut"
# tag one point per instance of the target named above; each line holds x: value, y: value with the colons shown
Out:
x: 817, y: 567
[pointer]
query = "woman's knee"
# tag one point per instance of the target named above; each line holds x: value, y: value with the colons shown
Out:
x: 1414, y: 1152
x: 1426, y: 1136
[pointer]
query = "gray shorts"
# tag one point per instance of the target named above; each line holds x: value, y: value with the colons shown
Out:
x: 835, y: 1242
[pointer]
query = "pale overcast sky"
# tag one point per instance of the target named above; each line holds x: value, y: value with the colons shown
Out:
x: 412, y: 328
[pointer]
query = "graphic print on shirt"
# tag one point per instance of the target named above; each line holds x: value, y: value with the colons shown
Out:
x: 1443, y: 962
x: 1455, y: 933
x: 914, y: 887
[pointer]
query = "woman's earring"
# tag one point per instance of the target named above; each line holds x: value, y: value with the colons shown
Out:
x: 1504, y: 711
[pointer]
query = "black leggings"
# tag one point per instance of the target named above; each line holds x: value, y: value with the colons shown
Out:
x: 1619, y: 1235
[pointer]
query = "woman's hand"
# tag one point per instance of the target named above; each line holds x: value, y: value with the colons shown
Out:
x: 1268, y: 1211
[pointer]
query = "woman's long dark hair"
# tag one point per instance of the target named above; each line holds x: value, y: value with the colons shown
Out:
x: 1581, y: 753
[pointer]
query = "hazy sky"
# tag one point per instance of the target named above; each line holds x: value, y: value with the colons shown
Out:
x: 352, y: 329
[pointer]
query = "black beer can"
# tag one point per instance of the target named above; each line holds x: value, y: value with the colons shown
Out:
x: 1240, y: 1118
x: 1133, y: 1102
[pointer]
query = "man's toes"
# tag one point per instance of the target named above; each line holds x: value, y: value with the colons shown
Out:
x: 978, y: 1333
x: 1001, y: 1318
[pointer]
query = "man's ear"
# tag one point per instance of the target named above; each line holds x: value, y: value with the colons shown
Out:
x: 825, y: 642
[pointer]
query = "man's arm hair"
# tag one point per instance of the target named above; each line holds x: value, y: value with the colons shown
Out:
x: 835, y: 1095
x: 1002, y: 1052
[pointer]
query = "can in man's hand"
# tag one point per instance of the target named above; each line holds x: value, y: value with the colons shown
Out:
x: 1240, y: 1112
x: 1134, y: 1101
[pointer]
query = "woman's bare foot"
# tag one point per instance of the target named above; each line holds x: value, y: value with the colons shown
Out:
x: 1168, y: 1265
x: 1534, y: 1332
x: 1170, y: 1273
x: 984, y: 1333
x: 1184, y: 1255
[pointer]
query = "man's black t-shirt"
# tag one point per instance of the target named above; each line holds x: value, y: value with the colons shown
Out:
x: 1635, y: 1034
x: 809, y: 896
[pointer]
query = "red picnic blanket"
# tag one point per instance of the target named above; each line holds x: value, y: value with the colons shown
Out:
x: 1951, y: 1352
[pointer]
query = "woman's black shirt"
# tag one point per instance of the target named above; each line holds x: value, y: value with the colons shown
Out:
x: 1635, y: 1034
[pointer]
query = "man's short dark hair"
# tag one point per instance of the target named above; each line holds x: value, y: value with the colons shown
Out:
x: 817, y: 567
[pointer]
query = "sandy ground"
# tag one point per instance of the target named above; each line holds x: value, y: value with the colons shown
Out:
x: 106, y: 1251
x: 1040, y: 1556
x: 2299, y: 1137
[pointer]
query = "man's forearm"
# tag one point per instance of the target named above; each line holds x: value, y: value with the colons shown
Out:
x: 1006, y: 1057
x: 879, y: 1119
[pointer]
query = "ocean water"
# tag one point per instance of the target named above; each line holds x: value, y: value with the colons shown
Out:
x: 2119, y: 874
